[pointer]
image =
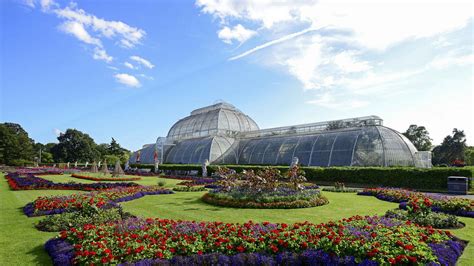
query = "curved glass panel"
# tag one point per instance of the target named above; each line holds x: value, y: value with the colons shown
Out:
x: 368, y: 148
x: 322, y: 150
x: 343, y: 148
x: 287, y: 148
x: 303, y: 149
x: 271, y: 153
x: 396, y: 150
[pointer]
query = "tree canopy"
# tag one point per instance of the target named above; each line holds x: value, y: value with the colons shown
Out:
x: 451, y: 149
x: 15, y: 145
x: 75, y: 145
x: 419, y: 136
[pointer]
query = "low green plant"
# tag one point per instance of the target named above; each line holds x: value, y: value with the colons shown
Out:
x: 189, y: 189
x: 434, y: 219
x: 64, y: 221
x: 161, y: 183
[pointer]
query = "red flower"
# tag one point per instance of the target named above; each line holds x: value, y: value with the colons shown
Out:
x: 240, y: 248
x: 409, y: 247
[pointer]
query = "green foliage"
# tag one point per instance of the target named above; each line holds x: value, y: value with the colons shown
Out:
x: 419, y: 136
x: 188, y: 189
x: 469, y: 155
x: 434, y: 219
x: 47, y: 157
x: 15, y: 145
x: 266, y: 202
x: 75, y: 145
x: 452, y: 148
x: 407, y: 177
x: 161, y: 183
x: 64, y: 221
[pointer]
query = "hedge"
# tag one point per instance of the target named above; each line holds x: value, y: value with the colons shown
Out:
x: 406, y: 177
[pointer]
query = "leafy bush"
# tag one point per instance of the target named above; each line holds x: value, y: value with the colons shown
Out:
x: 161, y: 183
x: 434, y: 219
x: 408, y: 177
x: 64, y: 221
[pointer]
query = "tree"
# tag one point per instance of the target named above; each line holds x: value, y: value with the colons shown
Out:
x: 469, y: 154
x: 112, y: 151
x: 15, y: 145
x: 419, y: 136
x: 75, y: 145
x: 452, y: 148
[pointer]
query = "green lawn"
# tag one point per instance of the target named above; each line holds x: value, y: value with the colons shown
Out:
x: 22, y: 244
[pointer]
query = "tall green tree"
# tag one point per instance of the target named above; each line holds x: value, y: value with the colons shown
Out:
x: 469, y: 153
x: 15, y: 145
x: 75, y: 145
x: 452, y: 148
x: 419, y: 136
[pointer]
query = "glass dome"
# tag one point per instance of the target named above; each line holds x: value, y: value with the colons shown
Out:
x: 221, y: 119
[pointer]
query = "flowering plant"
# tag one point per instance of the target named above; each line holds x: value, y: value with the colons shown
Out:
x: 102, y: 199
x: 451, y: 205
x: 377, y: 239
x: 82, y: 176
x: 31, y: 182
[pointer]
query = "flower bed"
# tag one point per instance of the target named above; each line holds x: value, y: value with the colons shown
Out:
x: 80, y: 176
x: 103, y: 199
x: 281, y: 198
x: 31, y: 182
x: 39, y: 171
x: 450, y: 205
x: 367, y: 240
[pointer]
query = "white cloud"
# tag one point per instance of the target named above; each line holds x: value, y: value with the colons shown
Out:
x: 343, y: 40
x: 142, y: 61
x: 129, y: 65
x: 346, y: 62
x: 113, y: 68
x: 77, y: 30
x: 128, y: 80
x: 238, y: 33
x: 331, y: 101
x: 101, y: 54
x: 128, y: 36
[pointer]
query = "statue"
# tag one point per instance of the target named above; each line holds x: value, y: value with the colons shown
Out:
x: 204, y: 167
x: 99, y: 164
x: 67, y: 165
x: 294, y: 162
x: 157, y: 163
x: 54, y: 165
x: 87, y: 163
x: 75, y: 164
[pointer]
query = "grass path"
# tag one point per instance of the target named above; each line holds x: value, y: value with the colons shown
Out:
x: 22, y: 244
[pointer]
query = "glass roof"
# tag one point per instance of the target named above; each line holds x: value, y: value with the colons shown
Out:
x: 220, y: 119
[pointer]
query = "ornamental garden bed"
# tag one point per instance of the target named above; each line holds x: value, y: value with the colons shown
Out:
x: 450, y: 205
x: 101, y: 177
x: 103, y: 199
x: 264, y: 189
x: 31, y: 182
x: 355, y: 240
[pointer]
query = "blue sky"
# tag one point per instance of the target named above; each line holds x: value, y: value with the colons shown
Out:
x: 130, y: 69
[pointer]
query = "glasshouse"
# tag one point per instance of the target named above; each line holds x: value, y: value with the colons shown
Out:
x: 222, y: 134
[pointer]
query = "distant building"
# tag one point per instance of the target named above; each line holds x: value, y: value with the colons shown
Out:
x: 223, y: 134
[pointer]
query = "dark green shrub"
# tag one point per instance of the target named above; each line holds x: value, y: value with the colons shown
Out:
x: 405, y: 177
x: 434, y: 219
x: 189, y: 189
x: 66, y: 220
